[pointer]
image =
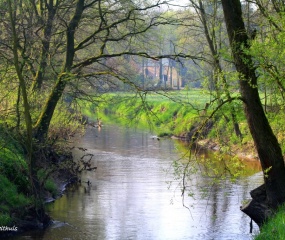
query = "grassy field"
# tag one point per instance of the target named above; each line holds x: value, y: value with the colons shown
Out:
x: 166, y: 112
x: 175, y: 112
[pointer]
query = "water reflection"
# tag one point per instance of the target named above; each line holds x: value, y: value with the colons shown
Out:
x: 129, y: 197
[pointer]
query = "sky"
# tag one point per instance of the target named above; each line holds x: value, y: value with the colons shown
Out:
x: 176, y: 4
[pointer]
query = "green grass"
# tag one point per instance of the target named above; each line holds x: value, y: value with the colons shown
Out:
x: 165, y: 112
x: 174, y: 112
x: 10, y: 197
x: 274, y: 229
x: 14, y: 182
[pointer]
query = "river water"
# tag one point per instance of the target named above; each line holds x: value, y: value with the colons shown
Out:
x: 134, y: 195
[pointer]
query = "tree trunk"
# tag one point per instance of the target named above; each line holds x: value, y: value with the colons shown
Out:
x: 37, y: 84
x: 28, y: 120
x: 266, y: 143
x: 44, y: 120
x: 160, y: 72
x: 218, y: 66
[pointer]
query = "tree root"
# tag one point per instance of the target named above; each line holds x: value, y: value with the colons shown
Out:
x: 258, y: 208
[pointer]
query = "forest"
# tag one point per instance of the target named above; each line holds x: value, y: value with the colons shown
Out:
x: 54, y: 54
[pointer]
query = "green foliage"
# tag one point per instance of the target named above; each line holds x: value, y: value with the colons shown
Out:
x: 51, y: 187
x: 10, y: 199
x: 276, y: 120
x: 14, y: 167
x: 12, y: 162
x: 266, y: 171
x: 14, y: 182
x: 5, y: 219
x: 47, y: 182
x: 10, y: 195
x: 166, y: 112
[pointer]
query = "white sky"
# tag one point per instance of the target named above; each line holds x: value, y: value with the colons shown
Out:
x: 178, y: 3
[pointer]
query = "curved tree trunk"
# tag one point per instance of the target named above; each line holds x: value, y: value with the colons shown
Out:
x: 44, y: 120
x: 266, y: 143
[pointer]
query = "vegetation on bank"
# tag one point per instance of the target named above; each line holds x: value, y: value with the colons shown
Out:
x: 139, y: 47
x: 274, y: 228
x: 13, y: 179
x: 174, y: 113
x: 170, y: 112
x: 54, y: 163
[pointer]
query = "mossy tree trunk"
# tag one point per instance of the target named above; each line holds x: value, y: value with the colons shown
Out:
x: 266, y: 143
x: 44, y: 120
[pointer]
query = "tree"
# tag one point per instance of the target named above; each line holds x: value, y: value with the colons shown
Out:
x: 270, y: 195
x: 26, y: 105
x: 51, y: 47
x: 111, y: 37
x: 212, y: 28
x: 46, y: 17
x: 267, y: 50
x: 268, y: 10
x: 69, y: 48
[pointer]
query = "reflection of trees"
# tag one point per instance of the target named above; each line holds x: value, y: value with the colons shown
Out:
x: 140, y: 193
x: 218, y: 180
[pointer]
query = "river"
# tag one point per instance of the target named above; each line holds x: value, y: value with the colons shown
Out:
x: 134, y: 195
